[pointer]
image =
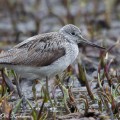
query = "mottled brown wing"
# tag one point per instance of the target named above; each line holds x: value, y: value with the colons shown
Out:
x: 33, y: 53
x: 7, y: 57
x: 43, y: 58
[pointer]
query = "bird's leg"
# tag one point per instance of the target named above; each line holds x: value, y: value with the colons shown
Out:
x: 47, y: 91
x: 20, y: 92
x: 18, y: 86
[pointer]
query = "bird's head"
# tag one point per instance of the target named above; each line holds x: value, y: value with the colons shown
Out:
x: 73, y: 33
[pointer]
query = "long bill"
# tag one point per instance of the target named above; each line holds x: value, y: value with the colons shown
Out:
x: 90, y: 43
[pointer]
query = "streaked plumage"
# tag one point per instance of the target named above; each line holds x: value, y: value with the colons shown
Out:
x: 45, y: 55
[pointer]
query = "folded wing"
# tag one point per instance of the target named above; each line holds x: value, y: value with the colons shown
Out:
x: 37, y: 52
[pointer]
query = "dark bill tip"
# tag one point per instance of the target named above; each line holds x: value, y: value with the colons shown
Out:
x: 91, y: 44
x: 94, y: 45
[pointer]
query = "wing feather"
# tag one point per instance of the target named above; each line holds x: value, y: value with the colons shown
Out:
x: 35, y: 52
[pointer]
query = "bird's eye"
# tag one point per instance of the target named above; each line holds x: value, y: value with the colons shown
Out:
x: 73, y: 33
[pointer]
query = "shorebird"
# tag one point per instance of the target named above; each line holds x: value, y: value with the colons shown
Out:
x: 45, y: 55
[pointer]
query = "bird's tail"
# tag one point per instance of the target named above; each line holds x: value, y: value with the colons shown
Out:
x: 5, y: 57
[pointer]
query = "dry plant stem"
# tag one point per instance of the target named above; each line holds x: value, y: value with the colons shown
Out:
x: 48, y: 5
x: 89, y: 90
x: 116, y: 89
x: 117, y: 76
x: 100, y: 105
x: 109, y: 109
x: 69, y: 17
x: 60, y: 19
x: 99, y: 83
x: 108, y: 78
x: 72, y: 100
x: 44, y: 116
x: 53, y: 14
x: 11, y: 13
x: 101, y: 98
x: 86, y: 105
x: 3, y: 82
x: 65, y: 102
x: 83, y: 76
x: 105, y: 102
x: 104, y: 95
x: 62, y: 89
